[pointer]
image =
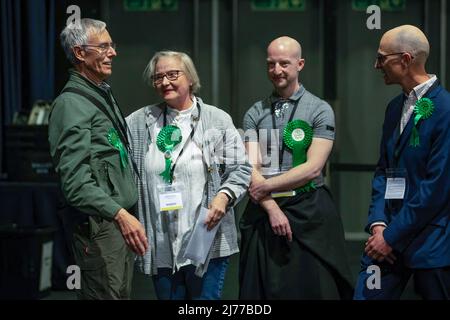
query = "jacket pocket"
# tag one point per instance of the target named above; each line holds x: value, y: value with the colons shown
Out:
x: 121, y: 182
x: 103, y: 178
x: 107, y: 163
x: 116, y: 180
x: 441, y: 221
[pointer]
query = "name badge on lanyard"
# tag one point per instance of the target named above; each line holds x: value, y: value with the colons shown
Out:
x: 170, y: 196
x: 395, y: 183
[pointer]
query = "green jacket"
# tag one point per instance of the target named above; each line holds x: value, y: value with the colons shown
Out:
x: 92, y: 178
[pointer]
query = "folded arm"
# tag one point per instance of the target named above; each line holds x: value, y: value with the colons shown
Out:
x: 298, y: 176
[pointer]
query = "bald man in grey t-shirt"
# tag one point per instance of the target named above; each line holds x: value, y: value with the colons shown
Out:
x: 259, y: 125
x: 292, y: 240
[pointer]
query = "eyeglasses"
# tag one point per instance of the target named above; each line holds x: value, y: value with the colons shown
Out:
x: 381, y: 58
x: 171, y: 75
x: 104, y: 47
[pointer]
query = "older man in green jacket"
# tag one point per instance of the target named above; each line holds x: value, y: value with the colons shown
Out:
x: 89, y: 146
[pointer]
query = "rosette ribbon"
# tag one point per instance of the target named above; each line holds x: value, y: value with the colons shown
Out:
x: 423, y: 110
x: 114, y: 139
x: 168, y: 138
x: 297, y: 136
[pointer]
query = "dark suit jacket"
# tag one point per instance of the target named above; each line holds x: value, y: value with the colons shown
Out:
x: 417, y: 226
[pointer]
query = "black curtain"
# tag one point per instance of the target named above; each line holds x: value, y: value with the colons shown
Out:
x: 27, y: 59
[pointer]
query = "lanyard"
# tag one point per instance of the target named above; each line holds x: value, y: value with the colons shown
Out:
x: 274, y: 126
x: 172, y: 170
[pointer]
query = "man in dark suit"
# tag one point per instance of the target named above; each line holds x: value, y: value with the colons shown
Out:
x: 410, y: 209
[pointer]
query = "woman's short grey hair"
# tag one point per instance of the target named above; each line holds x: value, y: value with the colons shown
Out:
x: 77, y: 34
x: 187, y: 65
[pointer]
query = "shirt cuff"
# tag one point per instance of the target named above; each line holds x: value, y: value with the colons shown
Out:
x: 378, y: 223
x: 229, y: 195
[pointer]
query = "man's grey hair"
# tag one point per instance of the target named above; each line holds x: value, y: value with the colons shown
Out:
x: 77, y: 34
x: 187, y: 65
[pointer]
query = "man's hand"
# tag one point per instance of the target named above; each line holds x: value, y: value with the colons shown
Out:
x: 377, y: 248
x: 279, y: 222
x: 259, y: 190
x: 217, y: 209
x: 132, y: 231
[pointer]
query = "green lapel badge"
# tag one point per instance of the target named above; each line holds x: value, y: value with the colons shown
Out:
x: 114, y: 139
x: 297, y: 136
x: 168, y: 138
x: 423, y: 109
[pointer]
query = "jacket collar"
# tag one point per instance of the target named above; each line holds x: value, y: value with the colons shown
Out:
x: 83, y: 81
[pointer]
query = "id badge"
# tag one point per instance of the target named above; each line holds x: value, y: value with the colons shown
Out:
x: 283, y: 194
x: 170, y: 196
x: 395, y: 183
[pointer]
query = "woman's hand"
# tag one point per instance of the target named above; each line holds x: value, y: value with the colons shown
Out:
x: 217, y: 209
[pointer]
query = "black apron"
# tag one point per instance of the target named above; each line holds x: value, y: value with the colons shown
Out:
x: 313, y: 266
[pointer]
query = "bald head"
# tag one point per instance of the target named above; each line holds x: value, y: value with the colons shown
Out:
x: 287, y: 45
x: 410, y: 39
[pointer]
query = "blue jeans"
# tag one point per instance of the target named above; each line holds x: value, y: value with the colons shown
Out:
x: 185, y: 285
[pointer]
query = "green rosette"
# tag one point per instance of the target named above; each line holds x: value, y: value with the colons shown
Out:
x: 297, y: 136
x: 114, y: 139
x: 168, y: 138
x: 423, y: 109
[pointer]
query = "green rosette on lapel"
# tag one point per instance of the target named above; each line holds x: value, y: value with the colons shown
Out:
x: 297, y: 136
x: 423, y: 109
x: 168, y: 138
x: 114, y: 139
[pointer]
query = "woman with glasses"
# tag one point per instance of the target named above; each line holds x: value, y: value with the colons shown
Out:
x: 192, y: 171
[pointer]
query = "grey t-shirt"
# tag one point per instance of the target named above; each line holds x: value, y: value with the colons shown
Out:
x: 259, y: 126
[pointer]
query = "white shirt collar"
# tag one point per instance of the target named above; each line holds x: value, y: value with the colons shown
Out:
x: 422, y: 88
